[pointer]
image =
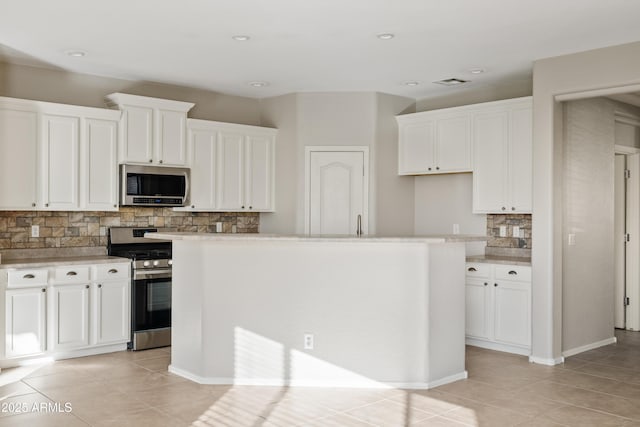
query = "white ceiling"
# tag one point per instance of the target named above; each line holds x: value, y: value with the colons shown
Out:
x: 311, y: 45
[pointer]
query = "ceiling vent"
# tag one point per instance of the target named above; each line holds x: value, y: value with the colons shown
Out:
x: 451, y: 82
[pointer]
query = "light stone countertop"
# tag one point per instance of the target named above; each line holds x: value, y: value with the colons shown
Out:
x: 312, y: 238
x: 496, y: 259
x: 48, y: 262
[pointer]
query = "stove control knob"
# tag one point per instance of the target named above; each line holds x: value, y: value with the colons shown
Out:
x: 156, y: 263
x: 146, y: 264
x: 170, y: 262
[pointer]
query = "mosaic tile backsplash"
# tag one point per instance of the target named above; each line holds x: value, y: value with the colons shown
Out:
x: 516, y: 245
x: 87, y: 229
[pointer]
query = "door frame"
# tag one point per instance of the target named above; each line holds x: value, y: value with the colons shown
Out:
x: 307, y: 179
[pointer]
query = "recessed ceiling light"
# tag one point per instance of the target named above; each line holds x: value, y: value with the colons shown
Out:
x: 258, y: 84
x: 385, y: 36
x: 76, y: 53
x: 241, y: 38
x: 476, y: 70
x: 411, y: 83
x: 451, y: 82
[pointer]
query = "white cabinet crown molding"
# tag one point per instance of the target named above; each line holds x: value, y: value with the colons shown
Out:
x: 118, y: 99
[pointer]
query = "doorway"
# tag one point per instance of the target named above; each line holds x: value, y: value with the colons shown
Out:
x: 336, y: 190
x: 627, y: 238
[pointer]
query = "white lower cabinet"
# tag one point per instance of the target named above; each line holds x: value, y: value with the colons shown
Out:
x: 70, y: 316
x: 25, y: 321
x: 498, y: 307
x: 58, y: 310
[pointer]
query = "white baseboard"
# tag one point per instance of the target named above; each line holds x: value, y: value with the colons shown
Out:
x: 60, y: 355
x: 546, y: 361
x: 490, y: 345
x: 582, y: 349
x: 315, y: 383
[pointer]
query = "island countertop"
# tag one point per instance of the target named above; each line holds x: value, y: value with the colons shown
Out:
x: 449, y: 238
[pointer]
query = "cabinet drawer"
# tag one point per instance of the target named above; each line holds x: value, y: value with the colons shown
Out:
x: 478, y: 269
x: 112, y: 271
x: 27, y: 278
x: 518, y: 273
x: 71, y: 274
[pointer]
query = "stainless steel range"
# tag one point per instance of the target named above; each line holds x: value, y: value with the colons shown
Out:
x: 150, y: 286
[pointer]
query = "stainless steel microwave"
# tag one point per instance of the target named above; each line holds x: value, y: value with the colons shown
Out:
x: 153, y: 186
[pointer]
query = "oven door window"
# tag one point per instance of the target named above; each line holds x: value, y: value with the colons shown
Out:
x: 151, y: 304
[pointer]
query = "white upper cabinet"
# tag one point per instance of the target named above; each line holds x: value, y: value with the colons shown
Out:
x: 232, y: 167
x: 502, y: 175
x: 18, y: 155
x: 153, y: 131
x: 434, y: 142
x: 63, y: 156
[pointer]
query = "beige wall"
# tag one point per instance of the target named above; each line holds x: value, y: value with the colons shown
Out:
x: 395, y: 198
x: 60, y: 86
x: 476, y: 95
x: 612, y: 68
x: 588, y: 206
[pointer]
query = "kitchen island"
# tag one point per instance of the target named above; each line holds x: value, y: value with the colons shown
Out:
x: 339, y: 311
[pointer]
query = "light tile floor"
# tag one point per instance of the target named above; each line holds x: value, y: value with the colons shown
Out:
x: 597, y: 388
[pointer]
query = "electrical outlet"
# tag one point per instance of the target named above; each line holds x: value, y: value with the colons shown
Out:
x: 218, y: 227
x: 515, y: 231
x: 234, y: 228
x: 572, y: 239
x: 35, y: 231
x: 308, y: 341
x: 503, y: 231
x: 456, y: 228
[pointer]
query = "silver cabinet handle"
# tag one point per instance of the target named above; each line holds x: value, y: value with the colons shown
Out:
x: 437, y: 168
x: 113, y: 271
x: 150, y: 160
x: 242, y: 207
x: 72, y: 273
x: 471, y: 269
x: 485, y: 283
x: 33, y: 204
x: 495, y: 285
x: 359, y: 226
x: 513, y: 208
x: 250, y: 207
x: 513, y: 272
x: 504, y: 209
x: 99, y: 285
x: 44, y: 290
x: 86, y: 286
x: 193, y: 206
x: 428, y: 168
x: 160, y: 161
x: 28, y: 276
x: 46, y: 205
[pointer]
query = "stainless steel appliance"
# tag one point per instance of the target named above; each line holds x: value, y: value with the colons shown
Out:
x: 153, y: 186
x: 150, y: 284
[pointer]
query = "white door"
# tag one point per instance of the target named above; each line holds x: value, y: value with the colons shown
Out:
x: 417, y: 148
x: 520, y: 163
x: 202, y: 146
x: 137, y: 134
x: 230, y: 171
x: 25, y: 317
x: 259, y: 173
x: 512, y: 313
x: 172, y: 136
x: 70, y: 316
x: 61, y: 161
x: 632, y: 247
x: 477, y: 302
x: 99, y: 183
x: 112, y: 312
x: 453, y: 149
x: 337, y: 192
x: 620, y: 242
x: 490, y: 162
x: 18, y: 159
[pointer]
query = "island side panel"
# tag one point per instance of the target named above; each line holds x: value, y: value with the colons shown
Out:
x: 189, y: 270
x: 446, y: 302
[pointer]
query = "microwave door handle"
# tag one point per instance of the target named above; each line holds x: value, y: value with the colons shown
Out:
x: 187, y: 195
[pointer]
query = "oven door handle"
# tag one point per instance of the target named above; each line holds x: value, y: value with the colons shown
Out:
x: 151, y: 274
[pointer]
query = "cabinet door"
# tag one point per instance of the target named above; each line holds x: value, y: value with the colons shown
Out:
x: 25, y: 322
x: 416, y: 148
x: 112, y: 312
x: 18, y: 159
x: 230, y: 171
x: 99, y: 183
x: 137, y: 134
x: 520, y: 160
x: 512, y: 313
x: 477, y: 308
x: 259, y: 173
x: 203, y: 155
x: 60, y: 155
x: 490, y: 163
x: 453, y: 148
x: 70, y: 316
x: 172, y: 138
